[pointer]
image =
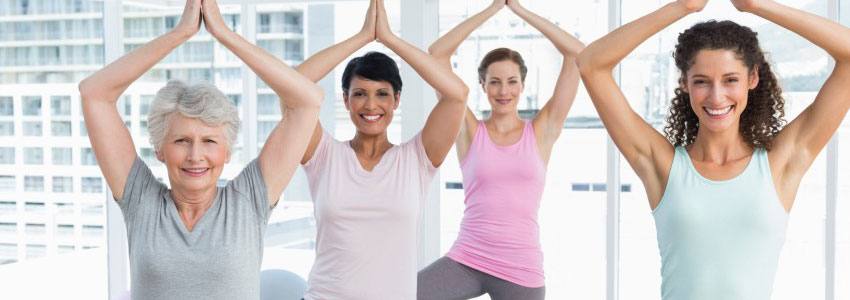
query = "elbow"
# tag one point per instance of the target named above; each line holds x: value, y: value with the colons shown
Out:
x: 86, y: 88
x: 586, y: 63
x: 461, y: 94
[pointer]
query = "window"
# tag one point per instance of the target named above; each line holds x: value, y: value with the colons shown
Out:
x: 7, y: 155
x: 87, y: 157
x: 32, y: 105
x: 60, y: 105
x: 61, y: 128
x: 34, y: 183
x: 7, y: 128
x: 32, y: 128
x: 83, y: 130
x: 63, y: 184
x: 36, y: 251
x: 33, y: 156
x: 92, y: 185
x: 61, y: 156
x: 7, y: 106
x: 145, y: 104
x: 268, y: 104
x: 7, y: 183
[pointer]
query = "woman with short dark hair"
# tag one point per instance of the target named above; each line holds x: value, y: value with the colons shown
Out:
x: 368, y: 192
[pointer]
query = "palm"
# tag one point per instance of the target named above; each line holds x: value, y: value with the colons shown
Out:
x: 371, y: 18
x: 499, y: 3
x: 190, y: 21
x: 212, y: 16
x: 382, y: 25
x: 693, y: 5
x: 512, y: 4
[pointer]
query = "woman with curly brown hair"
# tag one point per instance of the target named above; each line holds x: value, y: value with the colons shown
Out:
x: 723, y: 180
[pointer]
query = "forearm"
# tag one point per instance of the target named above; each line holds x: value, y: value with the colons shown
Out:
x: 440, y: 77
x: 108, y: 83
x: 609, y: 50
x: 563, y: 41
x: 831, y: 36
x: 320, y: 64
x: 295, y: 90
x: 448, y: 43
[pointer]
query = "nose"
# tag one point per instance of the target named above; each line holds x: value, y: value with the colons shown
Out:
x: 717, y: 94
x: 371, y: 103
x: 195, y: 153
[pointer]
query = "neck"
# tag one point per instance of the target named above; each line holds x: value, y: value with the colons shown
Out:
x: 719, y: 147
x: 192, y: 204
x: 505, y: 121
x: 370, y: 145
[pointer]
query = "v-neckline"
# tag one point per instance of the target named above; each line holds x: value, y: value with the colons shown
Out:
x: 360, y: 166
x: 198, y: 225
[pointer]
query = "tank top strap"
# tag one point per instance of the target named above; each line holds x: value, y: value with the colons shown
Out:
x: 528, y: 137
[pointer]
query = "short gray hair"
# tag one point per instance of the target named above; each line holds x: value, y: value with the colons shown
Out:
x: 202, y: 101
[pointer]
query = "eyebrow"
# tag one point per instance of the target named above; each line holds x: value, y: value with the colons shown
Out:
x: 724, y: 75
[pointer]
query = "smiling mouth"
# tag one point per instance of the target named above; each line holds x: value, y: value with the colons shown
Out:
x: 195, y: 172
x: 503, y: 101
x: 371, y: 118
x: 718, y: 113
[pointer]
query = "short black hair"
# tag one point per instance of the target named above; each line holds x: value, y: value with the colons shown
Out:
x: 374, y: 66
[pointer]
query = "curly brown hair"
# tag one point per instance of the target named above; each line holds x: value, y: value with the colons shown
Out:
x: 763, y: 117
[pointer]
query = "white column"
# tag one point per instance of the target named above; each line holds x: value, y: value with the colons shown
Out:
x: 116, y: 234
x: 420, y: 27
x: 248, y: 17
x: 612, y: 232
x: 830, y: 219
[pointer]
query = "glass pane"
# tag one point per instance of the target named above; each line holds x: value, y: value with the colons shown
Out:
x: 649, y: 77
x: 7, y: 155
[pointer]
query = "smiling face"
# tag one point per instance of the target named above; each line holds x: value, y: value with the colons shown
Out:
x: 370, y: 105
x: 503, y: 86
x: 718, y: 84
x: 194, y: 153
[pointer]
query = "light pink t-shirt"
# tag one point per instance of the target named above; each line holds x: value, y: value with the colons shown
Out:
x: 366, y: 221
x: 499, y: 232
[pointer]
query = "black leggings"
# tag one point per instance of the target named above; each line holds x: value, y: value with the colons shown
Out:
x: 446, y: 279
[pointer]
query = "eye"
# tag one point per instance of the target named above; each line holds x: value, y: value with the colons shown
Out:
x: 699, y: 81
x: 513, y: 82
x: 210, y: 141
x: 732, y: 79
x: 181, y: 141
x: 383, y: 94
x: 357, y: 94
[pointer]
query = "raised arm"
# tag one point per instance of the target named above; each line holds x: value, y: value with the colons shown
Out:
x: 443, y: 123
x: 113, y: 147
x: 320, y: 64
x: 646, y: 150
x: 550, y: 120
x: 799, y: 143
x: 442, y: 51
x: 300, y: 101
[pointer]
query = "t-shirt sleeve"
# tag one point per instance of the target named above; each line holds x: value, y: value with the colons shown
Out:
x: 427, y: 170
x: 320, y: 155
x: 250, y: 184
x: 141, y: 191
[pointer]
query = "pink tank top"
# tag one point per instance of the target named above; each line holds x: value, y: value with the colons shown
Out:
x: 503, y: 186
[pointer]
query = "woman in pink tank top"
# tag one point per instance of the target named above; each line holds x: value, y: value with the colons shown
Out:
x: 503, y: 160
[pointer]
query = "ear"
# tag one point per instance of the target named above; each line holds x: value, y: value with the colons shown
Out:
x: 160, y: 156
x: 397, y: 100
x: 345, y: 101
x: 754, y: 78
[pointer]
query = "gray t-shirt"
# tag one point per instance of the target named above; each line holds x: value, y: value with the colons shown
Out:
x: 219, y: 259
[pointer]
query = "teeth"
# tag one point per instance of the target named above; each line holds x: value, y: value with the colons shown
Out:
x: 371, y: 117
x: 718, y: 112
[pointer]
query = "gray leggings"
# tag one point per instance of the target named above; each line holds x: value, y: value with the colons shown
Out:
x: 446, y: 279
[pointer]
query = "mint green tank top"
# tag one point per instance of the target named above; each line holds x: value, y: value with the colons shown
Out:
x: 719, y: 239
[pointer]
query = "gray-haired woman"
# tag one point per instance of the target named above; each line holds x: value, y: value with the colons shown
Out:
x: 195, y: 240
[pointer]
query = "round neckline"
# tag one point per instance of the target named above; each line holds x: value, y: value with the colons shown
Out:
x: 490, y: 139
x: 725, y: 181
